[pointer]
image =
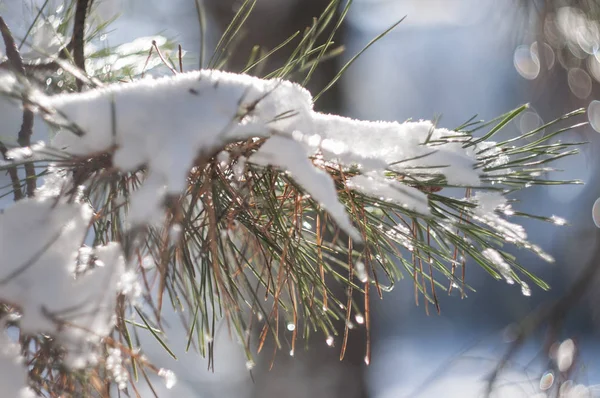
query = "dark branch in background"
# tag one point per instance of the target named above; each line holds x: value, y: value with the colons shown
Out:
x: 78, y: 39
x: 12, y: 52
x: 24, y: 139
x: 552, y: 315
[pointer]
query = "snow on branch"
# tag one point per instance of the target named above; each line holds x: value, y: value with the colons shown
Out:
x: 41, y: 242
x: 169, y: 127
x: 13, y: 373
x: 166, y: 124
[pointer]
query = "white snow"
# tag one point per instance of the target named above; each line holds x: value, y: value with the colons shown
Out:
x: 7, y: 82
x: 13, y: 373
x: 494, y: 158
x: 44, y: 39
x: 166, y: 124
x: 402, y: 142
x: 238, y: 168
x: 501, y: 265
x: 485, y: 212
x: 40, y: 240
x: 361, y: 271
x: 488, y: 202
x: 289, y: 155
x: 114, y: 364
x: 223, y: 158
x: 377, y: 185
x: 168, y: 376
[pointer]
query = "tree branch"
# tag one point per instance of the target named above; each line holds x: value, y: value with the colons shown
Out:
x: 78, y: 39
x: 24, y: 138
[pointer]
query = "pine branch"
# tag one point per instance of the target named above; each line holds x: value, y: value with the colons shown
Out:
x: 78, y: 39
x: 247, y: 241
x: 24, y: 137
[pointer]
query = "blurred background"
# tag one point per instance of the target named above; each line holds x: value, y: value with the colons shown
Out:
x: 451, y: 59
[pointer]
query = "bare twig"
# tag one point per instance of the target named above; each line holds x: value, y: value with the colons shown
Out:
x: 147, y: 60
x: 180, y: 59
x: 24, y: 138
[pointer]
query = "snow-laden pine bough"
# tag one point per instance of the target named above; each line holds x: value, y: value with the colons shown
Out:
x: 220, y: 189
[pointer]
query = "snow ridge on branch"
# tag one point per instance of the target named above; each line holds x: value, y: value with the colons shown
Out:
x: 165, y: 124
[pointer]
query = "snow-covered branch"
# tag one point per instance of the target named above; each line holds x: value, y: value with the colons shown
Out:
x: 166, y: 124
x: 191, y: 152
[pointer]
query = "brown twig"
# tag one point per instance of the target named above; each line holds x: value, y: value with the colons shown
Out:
x: 78, y: 39
x: 24, y: 138
x: 180, y: 59
x: 164, y: 61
